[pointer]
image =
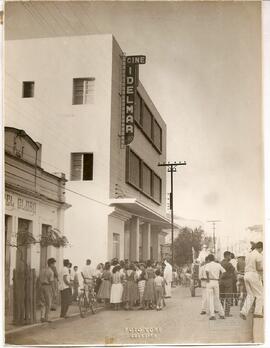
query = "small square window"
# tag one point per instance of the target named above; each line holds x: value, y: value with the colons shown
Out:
x: 83, y: 90
x: 81, y: 166
x: 28, y: 89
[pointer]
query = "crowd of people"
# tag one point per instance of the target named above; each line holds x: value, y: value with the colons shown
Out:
x: 231, y: 282
x: 145, y: 285
x: 118, y: 284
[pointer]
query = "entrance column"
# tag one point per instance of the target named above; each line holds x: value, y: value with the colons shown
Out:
x: 134, y: 238
x: 155, y: 245
x: 146, y: 241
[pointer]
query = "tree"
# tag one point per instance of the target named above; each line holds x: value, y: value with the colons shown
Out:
x: 184, y: 242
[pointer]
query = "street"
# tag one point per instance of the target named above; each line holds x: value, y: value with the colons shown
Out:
x: 179, y: 322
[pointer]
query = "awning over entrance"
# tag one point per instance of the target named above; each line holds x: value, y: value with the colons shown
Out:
x: 136, y: 208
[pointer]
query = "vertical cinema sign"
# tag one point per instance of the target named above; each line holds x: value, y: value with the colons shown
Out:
x: 131, y: 82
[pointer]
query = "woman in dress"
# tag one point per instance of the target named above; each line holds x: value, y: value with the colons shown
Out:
x: 141, y: 285
x: 130, y: 293
x: 104, y: 292
x: 149, y: 290
x: 117, y: 287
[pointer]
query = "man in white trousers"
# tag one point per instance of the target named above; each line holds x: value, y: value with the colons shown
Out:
x: 203, y: 278
x: 253, y: 282
x: 213, y: 271
x: 168, y: 279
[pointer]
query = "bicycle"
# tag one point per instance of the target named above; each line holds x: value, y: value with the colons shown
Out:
x: 86, y: 304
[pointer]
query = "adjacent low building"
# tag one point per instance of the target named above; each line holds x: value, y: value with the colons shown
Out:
x: 34, y: 209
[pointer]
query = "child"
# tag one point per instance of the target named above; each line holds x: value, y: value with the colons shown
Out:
x: 117, y: 287
x: 159, y: 285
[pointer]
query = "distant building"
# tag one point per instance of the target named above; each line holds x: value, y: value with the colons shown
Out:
x: 70, y: 98
x: 34, y: 207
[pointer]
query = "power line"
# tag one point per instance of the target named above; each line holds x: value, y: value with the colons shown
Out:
x: 172, y: 167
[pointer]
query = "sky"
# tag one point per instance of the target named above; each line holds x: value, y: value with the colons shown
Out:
x: 203, y: 73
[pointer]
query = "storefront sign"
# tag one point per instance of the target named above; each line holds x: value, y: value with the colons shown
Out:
x: 131, y: 82
x: 20, y: 203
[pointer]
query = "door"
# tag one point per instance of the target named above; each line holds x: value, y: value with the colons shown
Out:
x: 7, y: 262
x: 23, y: 248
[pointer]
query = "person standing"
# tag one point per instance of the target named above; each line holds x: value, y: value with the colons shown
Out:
x: 235, y: 293
x: 87, y: 275
x: 203, y: 278
x: 130, y: 293
x: 117, y: 287
x: 46, y: 289
x: 168, y: 279
x: 55, y: 288
x: 226, y: 283
x: 253, y: 282
x: 213, y: 271
x: 149, y: 289
x: 104, y: 292
x: 65, y: 288
x: 75, y: 284
x: 159, y: 283
x: 141, y: 285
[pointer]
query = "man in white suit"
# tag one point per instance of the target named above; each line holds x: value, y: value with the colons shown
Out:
x: 168, y: 279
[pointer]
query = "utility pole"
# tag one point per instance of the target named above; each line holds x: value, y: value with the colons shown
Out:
x: 172, y: 169
x: 214, y: 232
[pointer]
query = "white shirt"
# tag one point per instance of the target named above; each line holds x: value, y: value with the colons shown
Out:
x: 202, y: 273
x: 88, y: 272
x: 168, y: 272
x: 214, y: 269
x: 252, y: 260
x: 62, y: 284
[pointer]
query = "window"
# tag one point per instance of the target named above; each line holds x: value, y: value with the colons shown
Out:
x: 83, y: 90
x: 156, y: 188
x: 116, y: 245
x: 28, y: 89
x: 146, y: 179
x: 157, y: 135
x: 147, y: 123
x: 142, y: 177
x: 81, y: 166
x: 135, y: 169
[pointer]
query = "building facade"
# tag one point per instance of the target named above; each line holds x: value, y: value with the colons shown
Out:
x: 34, y: 207
x: 71, y: 100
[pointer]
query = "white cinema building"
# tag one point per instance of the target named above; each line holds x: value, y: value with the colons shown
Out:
x: 66, y: 93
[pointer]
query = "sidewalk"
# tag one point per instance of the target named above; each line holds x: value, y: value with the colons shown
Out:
x: 258, y: 330
x: 54, y: 316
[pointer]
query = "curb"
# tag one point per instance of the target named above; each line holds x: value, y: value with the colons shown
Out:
x: 28, y: 327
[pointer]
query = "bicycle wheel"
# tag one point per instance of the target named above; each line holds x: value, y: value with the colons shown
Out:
x: 83, y: 305
x: 93, y: 303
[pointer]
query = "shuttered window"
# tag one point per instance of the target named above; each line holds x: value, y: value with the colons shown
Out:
x: 142, y: 177
x: 83, y: 90
x: 146, y: 179
x: 134, y: 169
x: 157, y: 136
x: 146, y: 121
x: 156, y: 188
x: 81, y: 166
